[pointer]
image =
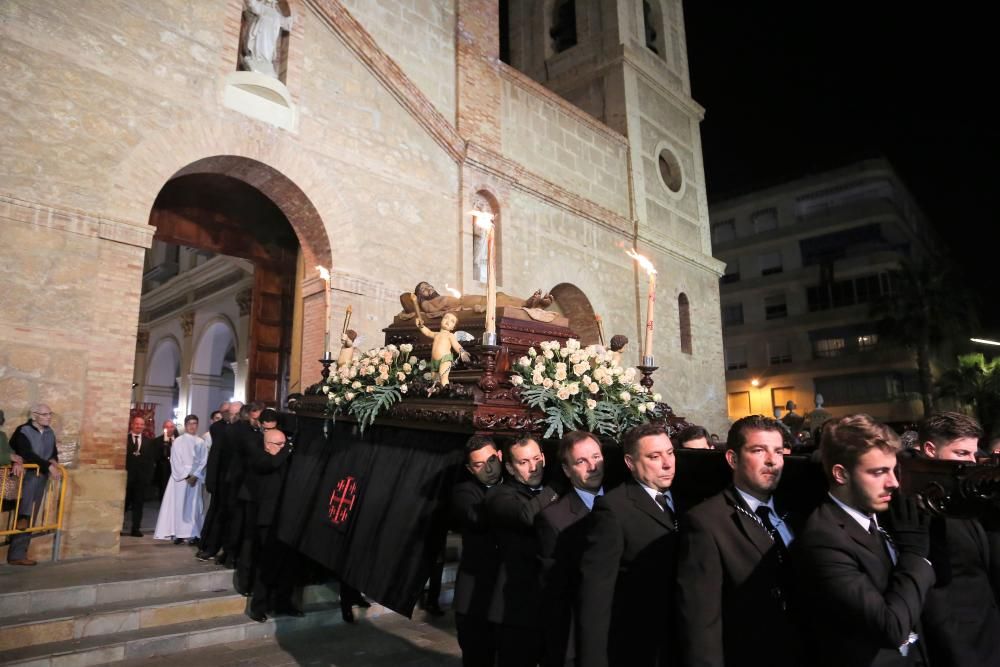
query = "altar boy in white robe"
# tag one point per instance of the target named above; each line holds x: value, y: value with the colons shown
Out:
x: 182, y: 510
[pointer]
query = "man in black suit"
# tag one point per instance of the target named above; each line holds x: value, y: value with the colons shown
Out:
x: 265, y: 456
x: 961, y: 620
x: 477, y: 569
x: 862, y: 593
x: 511, y: 508
x: 161, y: 444
x: 561, y: 531
x: 141, y: 455
x: 734, y: 575
x: 628, y: 564
x: 217, y: 519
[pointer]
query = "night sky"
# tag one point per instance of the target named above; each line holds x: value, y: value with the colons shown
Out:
x: 796, y: 88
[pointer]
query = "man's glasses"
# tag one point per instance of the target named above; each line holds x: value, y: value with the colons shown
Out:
x: 42, y: 414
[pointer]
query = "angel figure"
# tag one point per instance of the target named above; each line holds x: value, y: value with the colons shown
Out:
x: 618, y: 344
x: 346, y: 356
x: 445, y: 343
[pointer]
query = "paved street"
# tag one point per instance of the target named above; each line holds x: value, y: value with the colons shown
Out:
x: 386, y: 640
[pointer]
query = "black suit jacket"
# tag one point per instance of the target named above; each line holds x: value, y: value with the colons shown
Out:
x: 731, y: 585
x: 511, y: 508
x: 562, y: 531
x: 477, y: 569
x: 961, y: 618
x: 627, y: 571
x: 218, y: 453
x: 859, y: 607
x: 140, y: 469
x: 263, y: 478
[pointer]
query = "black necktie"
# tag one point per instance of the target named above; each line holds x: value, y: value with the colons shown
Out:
x: 135, y: 441
x: 764, y: 512
x: 661, y: 500
x: 882, y: 538
x: 781, y: 550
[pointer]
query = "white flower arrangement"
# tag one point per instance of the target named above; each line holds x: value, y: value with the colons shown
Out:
x: 582, y: 387
x: 372, y: 382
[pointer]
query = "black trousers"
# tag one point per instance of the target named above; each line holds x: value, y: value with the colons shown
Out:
x: 518, y: 646
x: 135, y: 498
x: 478, y: 639
x: 274, y: 569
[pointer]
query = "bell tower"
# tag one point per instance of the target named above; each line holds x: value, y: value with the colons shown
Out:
x: 625, y: 63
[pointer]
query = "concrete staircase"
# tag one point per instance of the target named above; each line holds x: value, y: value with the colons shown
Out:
x: 129, y: 612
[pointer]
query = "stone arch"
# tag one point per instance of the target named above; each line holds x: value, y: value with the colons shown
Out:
x: 215, y: 339
x: 297, y: 181
x: 575, y: 305
x: 684, y: 322
x: 164, y: 363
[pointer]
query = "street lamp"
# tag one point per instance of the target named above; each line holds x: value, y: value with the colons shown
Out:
x: 984, y: 341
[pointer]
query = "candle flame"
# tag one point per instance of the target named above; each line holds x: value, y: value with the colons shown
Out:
x: 323, y: 273
x: 643, y: 261
x: 482, y: 218
x: 451, y: 290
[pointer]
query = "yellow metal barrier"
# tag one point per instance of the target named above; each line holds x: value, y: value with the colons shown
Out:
x: 48, y: 514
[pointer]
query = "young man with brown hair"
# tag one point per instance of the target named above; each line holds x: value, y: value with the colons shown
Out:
x: 862, y: 593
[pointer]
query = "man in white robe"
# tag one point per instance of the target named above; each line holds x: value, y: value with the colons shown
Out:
x: 182, y: 510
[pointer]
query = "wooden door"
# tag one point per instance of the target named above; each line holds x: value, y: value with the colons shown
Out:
x: 270, y: 335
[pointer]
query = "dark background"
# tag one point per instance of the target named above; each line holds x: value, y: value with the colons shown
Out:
x: 796, y: 88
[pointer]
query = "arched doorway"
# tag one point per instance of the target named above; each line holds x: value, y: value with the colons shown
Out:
x: 232, y: 238
x: 575, y: 305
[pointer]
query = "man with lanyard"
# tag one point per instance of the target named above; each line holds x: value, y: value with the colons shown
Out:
x: 733, y: 562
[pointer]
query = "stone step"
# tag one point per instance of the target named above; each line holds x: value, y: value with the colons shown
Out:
x: 55, y: 601
x: 173, y: 638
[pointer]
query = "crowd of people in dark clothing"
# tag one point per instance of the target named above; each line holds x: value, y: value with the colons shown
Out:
x: 600, y: 571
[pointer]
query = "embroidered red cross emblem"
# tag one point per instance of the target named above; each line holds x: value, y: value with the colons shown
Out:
x: 342, y: 500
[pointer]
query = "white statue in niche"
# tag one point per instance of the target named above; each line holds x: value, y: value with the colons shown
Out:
x: 260, y: 49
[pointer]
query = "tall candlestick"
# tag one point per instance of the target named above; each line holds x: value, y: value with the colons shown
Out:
x: 485, y: 220
x: 600, y: 329
x: 325, y: 275
x: 647, y: 346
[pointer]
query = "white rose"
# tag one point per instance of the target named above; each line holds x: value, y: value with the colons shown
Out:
x: 625, y: 396
x: 428, y: 376
x: 326, y: 389
x: 349, y: 396
x: 407, y: 368
x: 531, y: 352
x: 336, y: 401
x: 537, y: 377
x: 403, y: 388
x: 400, y: 376
x: 642, y: 407
x: 600, y: 373
x: 564, y: 352
x: 548, y: 354
x: 546, y: 383
x: 516, y: 380
x: 561, y: 373
x: 574, y: 388
x: 591, y: 404
x: 657, y: 397
x: 406, y: 348
x: 369, y: 389
x: 617, y: 370
x: 355, y: 385
x: 563, y: 394
x: 651, y: 405
x: 586, y: 380
x: 383, y: 368
x: 524, y: 361
x: 422, y: 365
x: 629, y: 374
x: 412, y: 360
x: 581, y: 368
x: 573, y: 344
x: 594, y: 388
x: 606, y: 380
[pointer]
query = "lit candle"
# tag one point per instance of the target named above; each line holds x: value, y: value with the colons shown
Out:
x: 647, y: 347
x: 325, y: 275
x: 485, y: 220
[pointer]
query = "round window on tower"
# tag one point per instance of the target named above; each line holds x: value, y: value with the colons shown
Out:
x: 670, y: 170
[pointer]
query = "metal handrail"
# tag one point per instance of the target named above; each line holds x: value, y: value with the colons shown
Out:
x: 47, y: 518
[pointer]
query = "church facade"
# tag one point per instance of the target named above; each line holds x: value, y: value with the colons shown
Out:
x: 371, y: 131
